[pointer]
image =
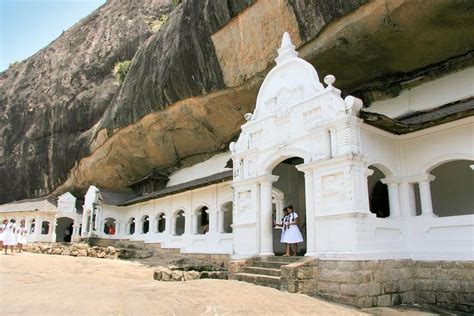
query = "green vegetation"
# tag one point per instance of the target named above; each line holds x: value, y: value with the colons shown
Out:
x: 156, y: 24
x: 121, y: 69
x: 13, y: 64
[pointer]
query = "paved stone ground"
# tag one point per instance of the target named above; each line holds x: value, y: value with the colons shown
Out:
x: 35, y: 284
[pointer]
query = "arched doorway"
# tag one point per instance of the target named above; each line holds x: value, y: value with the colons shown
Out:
x: 145, y: 224
x: 161, y: 223
x: 64, y: 229
x: 109, y: 226
x: 202, y: 220
x: 290, y: 183
x: 131, y: 226
x: 378, y: 193
x: 452, y: 188
x: 179, y: 223
x: 226, y: 218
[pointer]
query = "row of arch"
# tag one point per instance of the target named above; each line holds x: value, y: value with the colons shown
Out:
x: 178, y: 221
x: 31, y: 225
x: 451, y: 190
x: 63, y: 227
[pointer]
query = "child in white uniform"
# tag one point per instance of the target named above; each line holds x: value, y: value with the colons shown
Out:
x: 10, y: 236
x: 292, y: 233
x: 284, y: 225
x: 2, y: 231
x: 21, y: 236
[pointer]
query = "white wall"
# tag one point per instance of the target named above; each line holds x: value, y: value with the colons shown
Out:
x: 447, y: 89
x: 215, y: 164
x: 212, y: 196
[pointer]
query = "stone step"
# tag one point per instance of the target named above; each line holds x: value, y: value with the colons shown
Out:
x: 263, y: 280
x: 268, y: 264
x: 128, y: 253
x: 286, y: 260
x: 263, y: 271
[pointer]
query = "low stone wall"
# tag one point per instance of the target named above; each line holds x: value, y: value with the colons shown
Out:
x: 392, y: 282
x: 76, y: 250
x: 363, y: 284
x: 174, y: 275
x: 219, y: 259
x: 448, y: 284
x: 367, y: 283
x: 300, y: 277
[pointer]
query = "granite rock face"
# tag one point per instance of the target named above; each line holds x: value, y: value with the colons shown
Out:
x: 66, y: 124
x: 50, y: 102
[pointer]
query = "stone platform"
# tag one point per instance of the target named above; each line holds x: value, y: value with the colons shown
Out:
x: 447, y: 284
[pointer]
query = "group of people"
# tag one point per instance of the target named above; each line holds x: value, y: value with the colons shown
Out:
x: 13, y: 236
x: 290, y: 232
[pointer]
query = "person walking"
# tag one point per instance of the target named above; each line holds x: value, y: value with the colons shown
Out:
x: 21, y: 235
x: 10, y: 236
x: 292, y: 233
x: 3, y: 226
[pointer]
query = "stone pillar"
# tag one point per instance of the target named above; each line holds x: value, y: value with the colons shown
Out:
x: 365, y: 189
x: 393, y: 196
x: 89, y: 228
x: 38, y: 223
x: 213, y: 222
x: 188, y: 223
x: 75, y: 230
x: 266, y: 228
x: 310, y: 214
x: 54, y: 223
x: 425, y: 195
x: 406, y: 194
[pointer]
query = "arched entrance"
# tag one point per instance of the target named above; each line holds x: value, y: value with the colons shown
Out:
x: 291, y: 183
x: 64, y: 229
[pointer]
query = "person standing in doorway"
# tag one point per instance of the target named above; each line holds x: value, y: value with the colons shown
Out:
x: 284, y: 224
x: 10, y: 236
x: 292, y: 233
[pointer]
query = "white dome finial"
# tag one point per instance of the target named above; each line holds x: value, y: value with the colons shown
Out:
x: 287, y: 50
x: 286, y: 40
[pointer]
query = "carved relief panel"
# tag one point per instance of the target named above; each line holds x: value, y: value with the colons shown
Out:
x: 245, y: 201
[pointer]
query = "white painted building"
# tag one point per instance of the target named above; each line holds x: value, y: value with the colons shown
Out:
x: 394, y: 180
x: 46, y: 219
x: 362, y: 190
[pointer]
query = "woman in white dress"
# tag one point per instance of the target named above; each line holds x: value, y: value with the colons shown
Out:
x: 3, y: 226
x: 10, y: 236
x: 21, y: 235
x: 292, y: 233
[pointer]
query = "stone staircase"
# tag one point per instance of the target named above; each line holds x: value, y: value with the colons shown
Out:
x: 265, y: 271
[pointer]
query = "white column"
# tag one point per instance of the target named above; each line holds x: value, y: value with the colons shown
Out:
x: 425, y: 196
x: 37, y: 228
x: 89, y: 229
x: 54, y: 223
x: 188, y: 223
x: 213, y: 222
x: 412, y: 199
x: 266, y: 229
x: 406, y: 192
x: 279, y: 212
x: 393, y: 196
x: 75, y: 230
x: 310, y: 213
x: 365, y: 189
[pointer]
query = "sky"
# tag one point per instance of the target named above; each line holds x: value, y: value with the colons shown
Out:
x: 26, y: 26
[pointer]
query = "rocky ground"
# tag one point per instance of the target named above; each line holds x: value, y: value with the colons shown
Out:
x: 75, y: 250
x: 52, y: 285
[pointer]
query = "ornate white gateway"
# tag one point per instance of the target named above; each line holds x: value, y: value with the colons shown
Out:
x: 347, y: 163
x: 296, y: 116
